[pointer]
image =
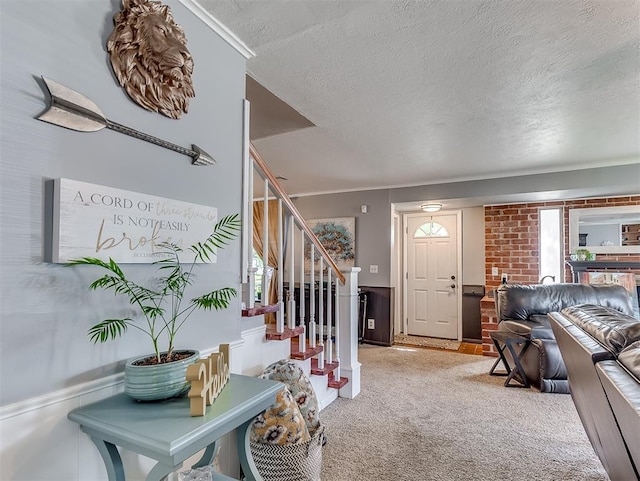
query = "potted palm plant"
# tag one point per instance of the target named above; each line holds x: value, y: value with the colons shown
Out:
x: 163, y: 311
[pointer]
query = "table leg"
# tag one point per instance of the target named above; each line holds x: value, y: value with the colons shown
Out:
x: 244, y: 453
x: 501, y: 357
x: 111, y: 458
x: 208, y: 456
x: 518, y: 369
x: 160, y: 471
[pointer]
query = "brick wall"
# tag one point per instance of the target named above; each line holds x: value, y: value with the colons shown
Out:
x: 511, y: 245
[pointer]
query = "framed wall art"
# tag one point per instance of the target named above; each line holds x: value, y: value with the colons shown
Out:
x: 338, y: 237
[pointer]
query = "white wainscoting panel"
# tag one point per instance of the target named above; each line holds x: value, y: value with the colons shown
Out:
x: 39, y: 443
x: 259, y: 353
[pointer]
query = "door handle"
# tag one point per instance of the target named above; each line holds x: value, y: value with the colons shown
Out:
x: 453, y: 286
x: 453, y: 278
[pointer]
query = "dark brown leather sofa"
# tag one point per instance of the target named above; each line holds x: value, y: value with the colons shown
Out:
x: 522, y: 309
x: 601, y: 350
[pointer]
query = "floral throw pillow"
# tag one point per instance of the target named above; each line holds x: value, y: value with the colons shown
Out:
x: 292, y: 376
x: 281, y: 424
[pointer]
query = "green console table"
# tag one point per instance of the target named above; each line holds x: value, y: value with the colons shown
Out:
x: 166, y: 432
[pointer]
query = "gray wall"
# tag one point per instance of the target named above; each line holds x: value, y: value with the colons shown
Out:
x: 575, y: 184
x: 598, y: 233
x: 473, y: 245
x: 373, y: 237
x: 46, y: 309
x: 373, y: 232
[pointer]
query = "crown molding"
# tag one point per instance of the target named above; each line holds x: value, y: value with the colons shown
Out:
x: 215, y: 25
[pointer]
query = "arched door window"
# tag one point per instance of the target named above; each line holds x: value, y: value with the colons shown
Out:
x: 431, y: 229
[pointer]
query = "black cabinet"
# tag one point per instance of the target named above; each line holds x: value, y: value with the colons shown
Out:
x: 376, y: 303
x: 471, y: 319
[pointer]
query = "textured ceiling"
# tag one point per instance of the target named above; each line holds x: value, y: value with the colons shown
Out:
x: 422, y: 92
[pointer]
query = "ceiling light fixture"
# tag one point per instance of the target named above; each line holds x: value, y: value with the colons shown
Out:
x: 431, y: 207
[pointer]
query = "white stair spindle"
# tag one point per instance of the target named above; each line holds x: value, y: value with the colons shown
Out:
x: 328, y: 347
x: 264, y: 298
x: 336, y: 372
x: 291, y: 318
x: 302, y: 339
x: 321, y: 313
x: 252, y: 269
x: 312, y: 301
x: 280, y: 244
x: 247, y: 198
x: 301, y: 291
x: 251, y: 287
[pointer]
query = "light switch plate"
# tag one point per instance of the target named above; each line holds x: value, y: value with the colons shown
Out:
x: 494, y: 271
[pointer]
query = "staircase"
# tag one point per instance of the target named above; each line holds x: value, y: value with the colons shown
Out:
x: 320, y: 337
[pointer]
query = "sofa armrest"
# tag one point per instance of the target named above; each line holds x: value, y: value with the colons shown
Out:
x: 581, y: 354
x: 536, y: 327
x: 623, y: 392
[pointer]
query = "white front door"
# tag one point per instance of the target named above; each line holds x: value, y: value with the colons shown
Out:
x: 433, y: 294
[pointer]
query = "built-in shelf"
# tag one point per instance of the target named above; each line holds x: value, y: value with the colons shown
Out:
x: 631, y: 234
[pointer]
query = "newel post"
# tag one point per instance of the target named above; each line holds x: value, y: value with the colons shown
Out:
x: 348, y: 332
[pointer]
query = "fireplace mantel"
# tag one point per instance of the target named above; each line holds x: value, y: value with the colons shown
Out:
x: 582, y: 266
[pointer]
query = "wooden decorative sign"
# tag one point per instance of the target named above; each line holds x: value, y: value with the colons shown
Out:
x: 96, y: 221
x: 208, y: 376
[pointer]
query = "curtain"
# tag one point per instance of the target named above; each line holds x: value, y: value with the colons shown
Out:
x: 272, y: 255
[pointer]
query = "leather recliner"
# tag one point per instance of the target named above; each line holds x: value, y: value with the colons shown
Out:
x: 522, y: 309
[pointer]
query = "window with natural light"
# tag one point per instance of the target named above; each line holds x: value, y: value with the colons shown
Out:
x: 257, y: 263
x: 551, y: 245
x: 431, y: 229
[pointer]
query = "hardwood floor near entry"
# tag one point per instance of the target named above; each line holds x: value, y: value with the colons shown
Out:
x: 439, y: 344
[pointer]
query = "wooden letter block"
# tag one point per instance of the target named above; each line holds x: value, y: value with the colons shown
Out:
x: 208, y: 376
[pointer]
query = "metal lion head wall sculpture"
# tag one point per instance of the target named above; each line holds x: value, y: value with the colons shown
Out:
x: 149, y: 55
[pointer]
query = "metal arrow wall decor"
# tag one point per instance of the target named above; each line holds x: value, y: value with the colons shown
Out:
x: 74, y: 111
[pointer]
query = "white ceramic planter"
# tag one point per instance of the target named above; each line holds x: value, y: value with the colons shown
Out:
x: 157, y: 382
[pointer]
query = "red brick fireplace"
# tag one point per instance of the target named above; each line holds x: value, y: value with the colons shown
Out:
x: 511, y: 245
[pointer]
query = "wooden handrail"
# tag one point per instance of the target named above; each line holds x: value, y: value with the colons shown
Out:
x: 279, y: 191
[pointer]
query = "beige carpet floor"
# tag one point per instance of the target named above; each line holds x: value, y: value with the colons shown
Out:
x: 436, y: 415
